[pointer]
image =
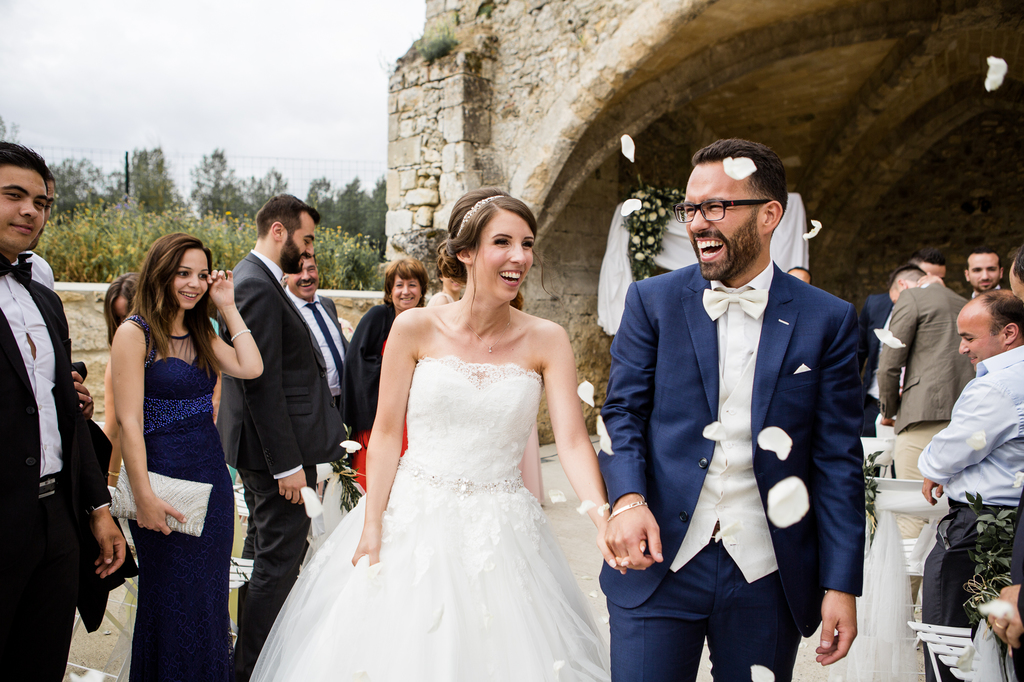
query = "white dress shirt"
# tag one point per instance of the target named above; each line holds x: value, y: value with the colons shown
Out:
x: 333, y: 373
x: 41, y: 270
x: 27, y: 323
x: 992, y: 403
x: 730, y: 492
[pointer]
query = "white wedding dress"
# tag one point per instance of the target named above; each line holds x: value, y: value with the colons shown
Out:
x: 472, y: 584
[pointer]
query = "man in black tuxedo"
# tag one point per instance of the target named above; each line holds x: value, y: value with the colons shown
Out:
x: 275, y: 429
x: 51, y: 478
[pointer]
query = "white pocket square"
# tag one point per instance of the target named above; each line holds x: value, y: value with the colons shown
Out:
x: 801, y: 369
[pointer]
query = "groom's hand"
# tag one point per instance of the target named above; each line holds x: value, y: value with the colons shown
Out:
x: 632, y: 532
x: 838, y: 626
x: 291, y: 486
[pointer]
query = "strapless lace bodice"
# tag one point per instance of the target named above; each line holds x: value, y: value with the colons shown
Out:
x: 470, y: 421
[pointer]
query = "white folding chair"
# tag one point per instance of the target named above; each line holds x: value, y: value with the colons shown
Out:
x: 944, y: 645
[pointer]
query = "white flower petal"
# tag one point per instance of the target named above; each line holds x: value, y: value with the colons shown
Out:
x: 558, y: 665
x: 997, y: 69
x: 91, y: 676
x: 556, y: 495
x: 351, y: 446
x: 630, y: 206
x: 1018, y: 479
x: 759, y: 673
x: 816, y: 228
x: 966, y: 661
x: 715, y: 431
x: 606, y: 440
x: 788, y: 502
x: 594, y: 594
x: 606, y: 507
x: 585, y: 507
x: 997, y: 608
x: 585, y: 577
x: 739, y: 168
x: 886, y: 337
x: 312, y: 502
x: 586, y: 392
x: 628, y: 148
x: 977, y: 440
x: 775, y: 439
x: 605, y: 619
x: 436, y: 622
x: 728, y: 534
x: 360, y: 676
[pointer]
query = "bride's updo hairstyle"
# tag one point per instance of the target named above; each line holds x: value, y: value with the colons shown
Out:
x: 469, y: 217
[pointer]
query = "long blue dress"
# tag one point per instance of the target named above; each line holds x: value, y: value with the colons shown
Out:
x: 182, y: 628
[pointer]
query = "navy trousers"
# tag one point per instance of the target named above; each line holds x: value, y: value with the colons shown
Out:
x: 744, y: 624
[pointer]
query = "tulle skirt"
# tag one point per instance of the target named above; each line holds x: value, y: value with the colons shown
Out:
x: 471, y: 586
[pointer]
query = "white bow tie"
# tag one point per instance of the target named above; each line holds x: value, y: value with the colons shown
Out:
x: 752, y: 301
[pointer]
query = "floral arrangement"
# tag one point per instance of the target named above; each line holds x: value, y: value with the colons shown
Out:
x: 647, y: 226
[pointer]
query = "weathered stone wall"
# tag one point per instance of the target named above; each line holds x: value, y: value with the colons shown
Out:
x: 83, y: 306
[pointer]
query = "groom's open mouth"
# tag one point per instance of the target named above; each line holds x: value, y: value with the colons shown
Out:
x: 709, y: 248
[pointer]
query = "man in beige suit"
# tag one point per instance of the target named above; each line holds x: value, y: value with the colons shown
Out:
x: 924, y: 320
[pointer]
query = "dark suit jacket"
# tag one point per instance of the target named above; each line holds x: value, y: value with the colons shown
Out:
x: 362, y: 367
x: 872, y: 316
x: 663, y: 391
x: 283, y: 418
x: 19, y: 457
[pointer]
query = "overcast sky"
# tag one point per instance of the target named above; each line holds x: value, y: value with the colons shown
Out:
x: 301, y: 79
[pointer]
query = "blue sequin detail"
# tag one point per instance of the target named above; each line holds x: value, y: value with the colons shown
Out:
x: 158, y: 413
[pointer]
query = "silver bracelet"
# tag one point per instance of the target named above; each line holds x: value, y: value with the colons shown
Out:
x: 244, y: 331
x: 634, y: 505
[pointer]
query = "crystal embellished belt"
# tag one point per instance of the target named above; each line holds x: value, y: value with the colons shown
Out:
x: 462, y: 486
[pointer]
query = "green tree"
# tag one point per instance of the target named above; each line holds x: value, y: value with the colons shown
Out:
x: 257, y: 191
x: 352, y: 204
x: 321, y: 197
x: 151, y: 184
x: 8, y: 133
x: 376, y: 210
x: 80, y: 183
x: 215, y: 187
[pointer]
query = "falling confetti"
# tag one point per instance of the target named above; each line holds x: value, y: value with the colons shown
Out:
x: 1018, y: 479
x: 977, y: 440
x: 312, y: 502
x: 630, y: 206
x: 360, y: 676
x: 594, y: 594
x: 585, y: 507
x: 605, y: 619
x: 996, y: 72
x: 886, y: 337
x: 558, y: 665
x: 715, y: 431
x: 556, y: 495
x: 728, y: 534
x: 966, y: 661
x: 759, y: 673
x: 788, y: 502
x: 586, y: 392
x: 606, y: 507
x: 814, y: 232
x: 628, y: 148
x: 997, y: 608
x: 739, y: 168
x: 351, y: 446
x: 606, y: 440
x: 775, y: 439
x: 91, y: 676
x: 436, y: 623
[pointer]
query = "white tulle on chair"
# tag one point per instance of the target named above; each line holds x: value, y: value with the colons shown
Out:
x: 884, y: 650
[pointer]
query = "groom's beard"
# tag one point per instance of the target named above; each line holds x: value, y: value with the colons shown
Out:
x: 291, y: 258
x: 740, y: 252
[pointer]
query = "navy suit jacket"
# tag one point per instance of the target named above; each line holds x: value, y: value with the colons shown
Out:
x: 872, y: 316
x: 663, y: 391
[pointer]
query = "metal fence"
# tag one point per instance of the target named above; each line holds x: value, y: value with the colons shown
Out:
x: 298, y: 172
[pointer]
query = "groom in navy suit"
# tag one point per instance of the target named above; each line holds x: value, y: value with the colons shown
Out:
x: 734, y: 344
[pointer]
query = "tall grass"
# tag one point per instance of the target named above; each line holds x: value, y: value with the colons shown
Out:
x: 98, y: 243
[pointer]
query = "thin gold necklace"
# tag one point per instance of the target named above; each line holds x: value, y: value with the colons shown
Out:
x: 490, y: 347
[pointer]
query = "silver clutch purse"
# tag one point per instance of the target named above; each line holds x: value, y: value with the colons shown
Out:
x: 191, y: 498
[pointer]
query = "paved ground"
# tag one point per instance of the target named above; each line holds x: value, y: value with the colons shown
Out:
x: 575, y: 533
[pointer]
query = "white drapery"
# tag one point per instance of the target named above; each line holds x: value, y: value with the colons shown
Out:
x: 788, y: 250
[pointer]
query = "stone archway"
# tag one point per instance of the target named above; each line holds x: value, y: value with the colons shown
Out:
x: 852, y: 95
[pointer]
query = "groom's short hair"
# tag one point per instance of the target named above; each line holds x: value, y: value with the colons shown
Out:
x: 767, y: 182
x: 285, y: 209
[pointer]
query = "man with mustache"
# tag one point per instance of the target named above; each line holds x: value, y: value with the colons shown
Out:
x: 276, y: 428
x: 735, y: 344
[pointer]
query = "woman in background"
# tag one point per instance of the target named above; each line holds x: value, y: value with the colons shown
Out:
x: 405, y: 281
x: 164, y: 367
x: 116, y: 304
x: 451, y: 291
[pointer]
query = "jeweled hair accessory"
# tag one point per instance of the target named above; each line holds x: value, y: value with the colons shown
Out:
x: 476, y: 207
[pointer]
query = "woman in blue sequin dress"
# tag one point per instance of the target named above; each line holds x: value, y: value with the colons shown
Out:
x: 164, y: 372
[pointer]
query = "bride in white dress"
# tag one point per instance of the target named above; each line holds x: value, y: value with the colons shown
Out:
x: 447, y: 569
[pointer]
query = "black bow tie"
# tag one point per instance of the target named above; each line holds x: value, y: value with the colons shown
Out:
x: 22, y: 271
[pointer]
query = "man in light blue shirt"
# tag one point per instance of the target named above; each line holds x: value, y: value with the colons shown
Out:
x: 980, y: 451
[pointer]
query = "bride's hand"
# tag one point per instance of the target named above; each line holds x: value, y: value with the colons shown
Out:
x: 369, y: 545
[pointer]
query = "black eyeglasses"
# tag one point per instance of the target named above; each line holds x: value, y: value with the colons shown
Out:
x: 711, y: 210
